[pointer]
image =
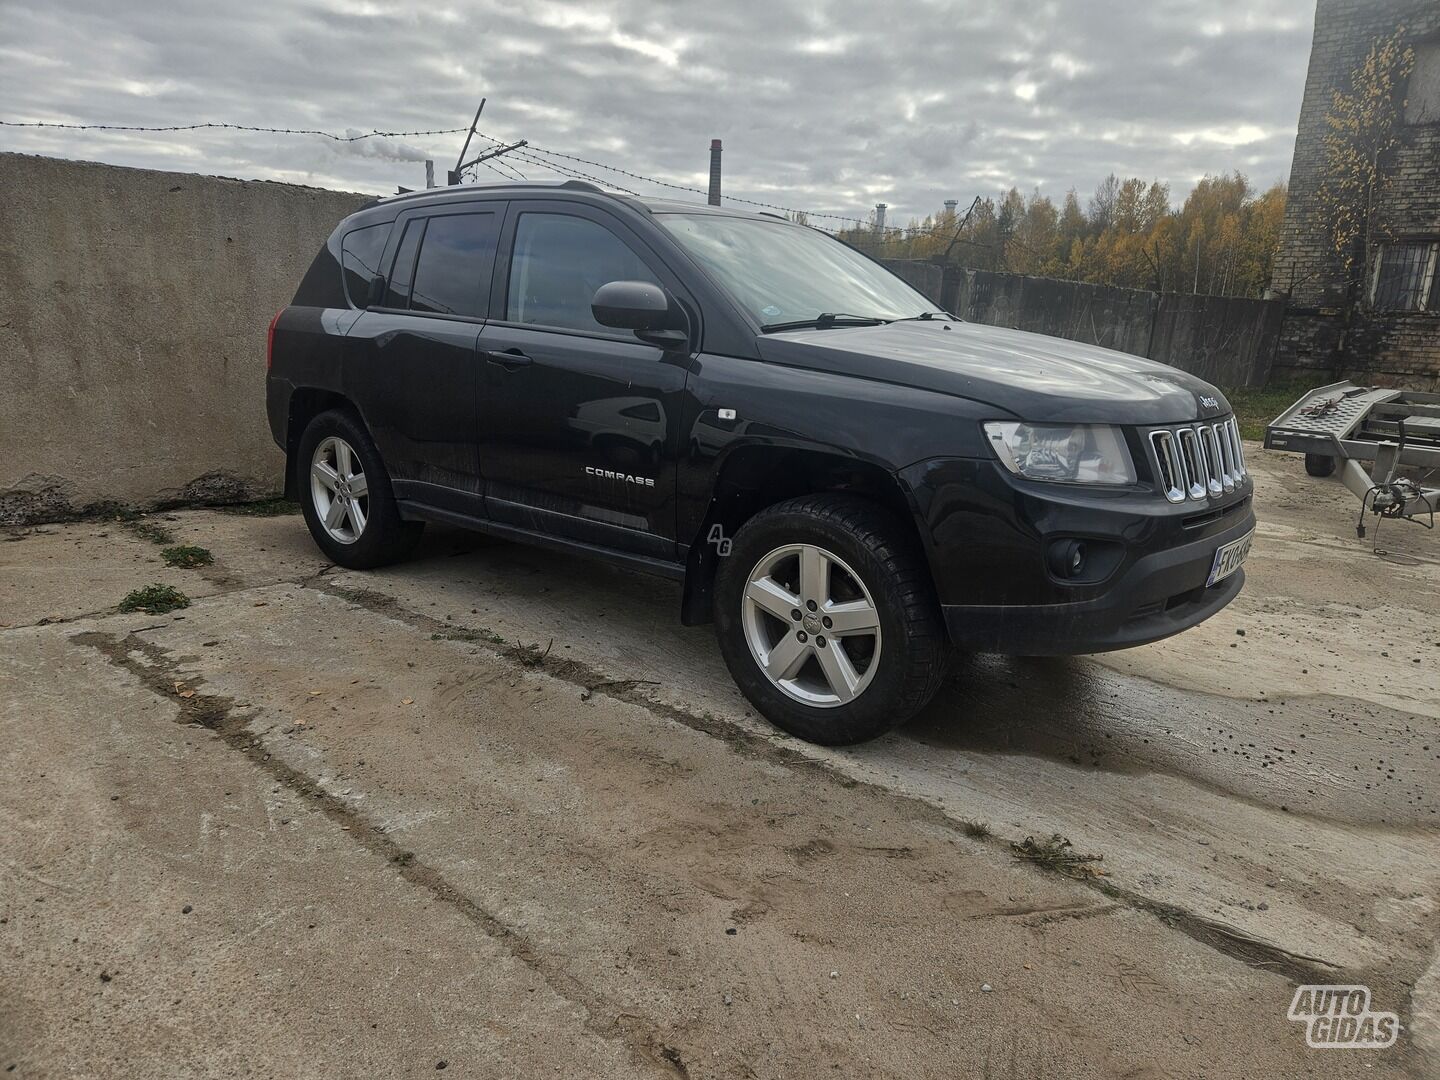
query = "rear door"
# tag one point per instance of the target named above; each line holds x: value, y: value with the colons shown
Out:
x: 411, y: 362
x: 579, y: 423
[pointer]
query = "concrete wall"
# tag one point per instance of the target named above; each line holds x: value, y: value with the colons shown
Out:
x: 923, y: 277
x: 1227, y: 340
x: 133, y: 311
x: 1097, y: 314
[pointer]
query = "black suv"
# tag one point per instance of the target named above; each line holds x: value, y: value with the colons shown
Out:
x: 846, y: 481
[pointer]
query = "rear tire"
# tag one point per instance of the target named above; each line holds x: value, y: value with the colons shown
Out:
x: 1319, y: 464
x: 850, y: 558
x: 346, y: 496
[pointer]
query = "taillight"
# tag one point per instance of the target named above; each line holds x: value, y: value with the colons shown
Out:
x: 270, y: 340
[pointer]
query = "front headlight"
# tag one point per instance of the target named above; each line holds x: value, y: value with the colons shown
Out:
x: 1070, y: 453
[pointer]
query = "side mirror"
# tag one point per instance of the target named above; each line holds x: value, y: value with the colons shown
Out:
x: 638, y: 306
x: 631, y: 305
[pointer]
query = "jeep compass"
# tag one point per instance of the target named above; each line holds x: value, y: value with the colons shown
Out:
x: 850, y: 484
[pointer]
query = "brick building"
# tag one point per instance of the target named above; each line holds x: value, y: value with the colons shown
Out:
x: 1379, y: 318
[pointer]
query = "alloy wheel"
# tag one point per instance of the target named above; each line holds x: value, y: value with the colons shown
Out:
x: 811, y: 625
x: 339, y: 490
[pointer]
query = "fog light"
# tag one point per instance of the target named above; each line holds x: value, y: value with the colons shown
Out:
x: 1067, y: 558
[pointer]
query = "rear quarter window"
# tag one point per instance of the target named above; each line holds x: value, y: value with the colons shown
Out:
x: 360, y: 253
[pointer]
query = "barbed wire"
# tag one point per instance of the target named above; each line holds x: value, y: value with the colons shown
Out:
x: 571, y: 172
x: 229, y: 127
x: 897, y: 234
x: 501, y: 162
x: 531, y: 147
x: 494, y: 169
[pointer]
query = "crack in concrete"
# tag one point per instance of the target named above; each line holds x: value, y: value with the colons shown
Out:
x: 160, y: 673
x: 1296, y: 967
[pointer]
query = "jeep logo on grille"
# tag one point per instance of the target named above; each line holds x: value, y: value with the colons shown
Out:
x: 1210, y: 402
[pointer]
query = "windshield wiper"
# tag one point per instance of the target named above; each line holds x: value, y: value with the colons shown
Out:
x: 825, y: 319
x: 926, y: 316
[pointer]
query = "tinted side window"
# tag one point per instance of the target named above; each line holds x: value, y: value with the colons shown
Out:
x: 456, y: 257
x: 557, y: 264
x: 402, y: 272
x: 360, y: 253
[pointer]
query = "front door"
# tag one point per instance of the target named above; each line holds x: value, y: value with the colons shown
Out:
x: 579, y: 423
x: 411, y: 365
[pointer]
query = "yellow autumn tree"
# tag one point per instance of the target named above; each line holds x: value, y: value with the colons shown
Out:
x: 1362, y: 128
x: 1221, y: 239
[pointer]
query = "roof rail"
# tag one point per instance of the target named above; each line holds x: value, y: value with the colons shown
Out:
x: 572, y: 185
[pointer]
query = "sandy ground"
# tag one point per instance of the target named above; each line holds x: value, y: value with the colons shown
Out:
x: 496, y: 809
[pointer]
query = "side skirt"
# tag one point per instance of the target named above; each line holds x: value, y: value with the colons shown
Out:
x: 417, y: 511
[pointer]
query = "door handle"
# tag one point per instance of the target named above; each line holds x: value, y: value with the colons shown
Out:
x: 510, y: 359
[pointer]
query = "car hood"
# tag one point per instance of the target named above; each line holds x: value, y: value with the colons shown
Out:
x: 1031, y: 376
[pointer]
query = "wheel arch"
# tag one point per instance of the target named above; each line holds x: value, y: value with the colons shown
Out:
x: 752, y: 478
x: 306, y: 403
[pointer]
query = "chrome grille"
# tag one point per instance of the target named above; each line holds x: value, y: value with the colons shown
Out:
x: 1198, y: 461
x: 1192, y: 459
x: 1214, y: 467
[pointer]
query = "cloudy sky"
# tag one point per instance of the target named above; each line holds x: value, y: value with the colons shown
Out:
x: 829, y: 106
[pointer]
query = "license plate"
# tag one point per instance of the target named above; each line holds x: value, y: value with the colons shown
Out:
x: 1229, y: 558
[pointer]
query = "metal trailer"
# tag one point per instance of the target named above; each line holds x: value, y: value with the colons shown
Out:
x: 1370, y: 433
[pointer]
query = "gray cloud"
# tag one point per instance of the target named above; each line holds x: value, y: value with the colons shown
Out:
x: 831, y: 105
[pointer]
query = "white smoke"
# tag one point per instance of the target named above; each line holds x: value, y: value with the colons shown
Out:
x: 379, y: 149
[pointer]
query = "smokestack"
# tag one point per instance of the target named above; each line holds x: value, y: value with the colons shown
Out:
x: 714, y: 198
x: 880, y: 209
x: 429, y: 173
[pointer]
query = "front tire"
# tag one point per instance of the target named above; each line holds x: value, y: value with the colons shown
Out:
x: 1319, y: 464
x: 827, y: 620
x: 345, y: 493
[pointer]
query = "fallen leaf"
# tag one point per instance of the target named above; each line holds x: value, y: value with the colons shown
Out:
x: 187, y: 693
x: 408, y: 701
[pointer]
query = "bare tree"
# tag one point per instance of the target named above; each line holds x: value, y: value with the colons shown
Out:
x: 1102, y: 205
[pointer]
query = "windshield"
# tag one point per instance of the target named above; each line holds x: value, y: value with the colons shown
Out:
x: 782, y: 273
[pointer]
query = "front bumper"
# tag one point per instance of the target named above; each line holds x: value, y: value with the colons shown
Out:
x: 987, y: 534
x: 1160, y: 595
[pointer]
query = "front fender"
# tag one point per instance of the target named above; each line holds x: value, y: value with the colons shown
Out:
x: 796, y: 410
